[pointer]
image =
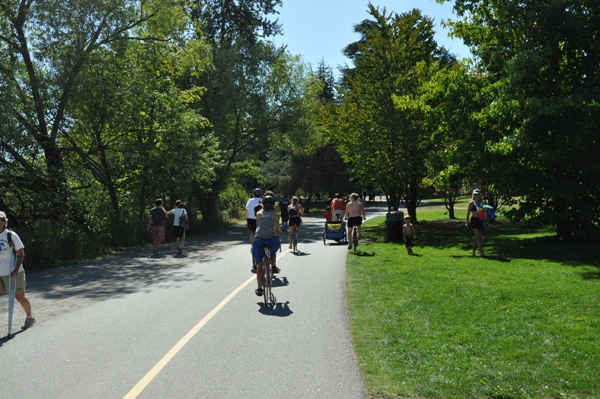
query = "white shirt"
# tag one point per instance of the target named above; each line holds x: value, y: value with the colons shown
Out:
x: 177, y: 212
x: 252, y: 202
x: 6, y: 251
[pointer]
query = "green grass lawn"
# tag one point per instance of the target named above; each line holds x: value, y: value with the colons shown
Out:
x: 520, y: 323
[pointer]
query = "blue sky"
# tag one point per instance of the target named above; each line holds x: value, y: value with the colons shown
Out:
x: 320, y: 29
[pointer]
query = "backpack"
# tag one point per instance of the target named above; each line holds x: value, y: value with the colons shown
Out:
x: 183, y: 222
x: 10, y: 241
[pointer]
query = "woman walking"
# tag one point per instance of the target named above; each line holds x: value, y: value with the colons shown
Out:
x: 473, y: 222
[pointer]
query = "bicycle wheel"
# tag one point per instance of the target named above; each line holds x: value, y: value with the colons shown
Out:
x: 324, y: 238
x: 267, y: 278
x: 295, y: 241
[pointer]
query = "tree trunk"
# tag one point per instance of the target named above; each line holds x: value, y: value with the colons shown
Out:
x: 209, y: 207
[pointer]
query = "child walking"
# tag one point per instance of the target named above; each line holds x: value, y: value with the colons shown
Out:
x: 408, y: 234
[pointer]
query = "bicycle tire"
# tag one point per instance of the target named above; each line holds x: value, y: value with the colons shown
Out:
x: 267, y: 278
x: 295, y: 241
x: 324, y: 238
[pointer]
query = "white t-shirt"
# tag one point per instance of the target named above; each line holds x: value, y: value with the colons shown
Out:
x: 252, y: 202
x: 5, y: 252
x: 177, y: 212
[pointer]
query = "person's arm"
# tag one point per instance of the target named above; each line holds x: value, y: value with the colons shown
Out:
x: 362, y: 209
x: 468, y: 213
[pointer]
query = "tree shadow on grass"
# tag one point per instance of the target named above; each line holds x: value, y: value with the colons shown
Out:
x: 502, y: 242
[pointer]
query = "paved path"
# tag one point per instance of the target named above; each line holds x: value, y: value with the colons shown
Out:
x: 187, y: 326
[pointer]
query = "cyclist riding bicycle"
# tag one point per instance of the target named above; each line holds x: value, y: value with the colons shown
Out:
x: 355, y: 214
x: 338, y: 206
x: 250, y: 215
x: 267, y: 232
x: 294, y: 211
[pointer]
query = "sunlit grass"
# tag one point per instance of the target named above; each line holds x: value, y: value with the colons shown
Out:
x: 520, y: 323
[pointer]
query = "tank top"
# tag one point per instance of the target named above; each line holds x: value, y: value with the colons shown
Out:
x: 265, y: 225
x: 353, y: 209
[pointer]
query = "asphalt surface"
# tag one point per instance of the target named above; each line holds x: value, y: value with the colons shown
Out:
x: 189, y: 326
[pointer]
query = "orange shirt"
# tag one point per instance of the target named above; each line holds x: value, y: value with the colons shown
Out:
x: 338, y: 204
x: 328, y: 216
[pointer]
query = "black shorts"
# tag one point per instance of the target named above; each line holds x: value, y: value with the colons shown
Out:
x: 354, y: 221
x: 178, y: 231
x: 295, y: 221
x: 475, y: 224
x: 285, y: 217
x: 251, y: 223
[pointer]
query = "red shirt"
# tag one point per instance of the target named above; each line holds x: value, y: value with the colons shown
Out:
x: 338, y: 204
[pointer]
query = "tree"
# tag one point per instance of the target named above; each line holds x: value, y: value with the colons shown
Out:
x: 383, y: 127
x: 541, y: 117
x: 43, y: 51
x: 251, y: 90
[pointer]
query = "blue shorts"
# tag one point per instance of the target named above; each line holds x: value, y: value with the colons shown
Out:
x: 259, y: 253
x: 410, y: 241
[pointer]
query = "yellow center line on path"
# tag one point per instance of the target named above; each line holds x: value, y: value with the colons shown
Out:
x: 145, y: 381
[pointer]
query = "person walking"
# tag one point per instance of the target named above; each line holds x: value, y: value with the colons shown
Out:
x: 156, y: 226
x: 178, y: 230
x: 285, y: 216
x: 355, y: 214
x: 295, y: 211
x: 408, y: 234
x: 11, y: 242
x: 473, y: 222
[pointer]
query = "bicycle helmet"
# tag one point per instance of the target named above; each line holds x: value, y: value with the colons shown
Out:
x: 268, y: 202
x: 257, y: 192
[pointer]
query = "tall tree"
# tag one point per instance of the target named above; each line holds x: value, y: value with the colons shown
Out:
x: 541, y: 119
x: 383, y: 131
x: 44, y: 46
x: 254, y: 92
x: 235, y: 101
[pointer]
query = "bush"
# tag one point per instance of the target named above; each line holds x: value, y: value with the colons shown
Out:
x: 232, y: 201
x: 48, y: 244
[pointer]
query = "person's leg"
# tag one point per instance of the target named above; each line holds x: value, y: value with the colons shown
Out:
x: 259, y: 278
x: 25, y: 304
x: 259, y: 256
x: 477, y: 244
x: 292, y: 227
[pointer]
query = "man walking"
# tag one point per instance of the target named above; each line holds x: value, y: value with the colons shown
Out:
x: 156, y: 226
x: 11, y: 242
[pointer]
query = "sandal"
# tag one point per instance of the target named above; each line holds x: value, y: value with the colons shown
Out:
x: 258, y: 292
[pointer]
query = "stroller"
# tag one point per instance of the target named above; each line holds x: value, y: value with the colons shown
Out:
x: 334, y: 230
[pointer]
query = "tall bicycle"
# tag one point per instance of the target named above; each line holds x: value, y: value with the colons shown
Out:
x: 267, y: 282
